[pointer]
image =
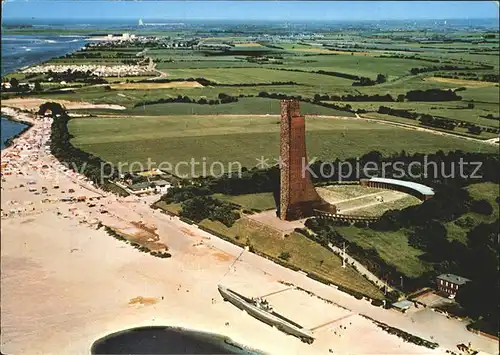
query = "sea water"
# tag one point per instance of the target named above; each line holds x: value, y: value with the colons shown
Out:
x: 9, y: 129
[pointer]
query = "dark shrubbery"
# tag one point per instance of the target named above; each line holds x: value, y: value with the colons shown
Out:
x: 93, y: 167
x: 76, y: 76
x: 432, y: 95
x: 481, y: 207
x: 284, y: 255
x: 415, y: 71
x: 180, y: 194
x: 363, y: 81
x: 199, y: 208
x: 428, y: 120
x: 185, y: 99
x: 473, y: 129
x: 398, y: 112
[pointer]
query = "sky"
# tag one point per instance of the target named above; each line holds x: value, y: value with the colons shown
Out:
x: 249, y: 10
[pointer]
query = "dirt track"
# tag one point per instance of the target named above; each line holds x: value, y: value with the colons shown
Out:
x: 34, y: 103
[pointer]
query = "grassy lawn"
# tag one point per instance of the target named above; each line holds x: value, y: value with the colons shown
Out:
x: 305, y: 254
x: 248, y: 105
x: 258, y: 75
x: 259, y: 201
x: 232, y: 139
x: 361, y: 65
x: 348, y: 191
x: 393, y: 246
x: 455, y: 110
x: 487, y: 191
x: 174, y: 208
x: 459, y: 131
x: 378, y: 210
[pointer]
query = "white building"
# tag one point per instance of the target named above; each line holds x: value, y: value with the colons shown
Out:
x: 161, y: 186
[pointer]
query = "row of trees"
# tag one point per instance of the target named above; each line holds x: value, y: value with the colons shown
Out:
x: 76, y: 76
x: 381, y: 78
x: 398, y: 112
x: 412, y: 95
x: 440, y: 122
x: 325, y: 72
x: 223, y: 99
x: 16, y: 86
x: 360, y: 80
x: 415, y: 71
x: 429, y: 120
x: 206, y: 82
x: 93, y: 167
x: 413, y: 57
x: 490, y: 77
x: 492, y: 117
x: 432, y: 95
x: 431, y: 169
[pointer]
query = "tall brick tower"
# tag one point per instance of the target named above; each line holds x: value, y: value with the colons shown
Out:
x: 298, y: 197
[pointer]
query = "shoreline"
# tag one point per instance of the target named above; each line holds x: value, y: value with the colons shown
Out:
x: 56, y: 260
x: 195, y: 335
x: 14, y: 69
x: 178, y: 291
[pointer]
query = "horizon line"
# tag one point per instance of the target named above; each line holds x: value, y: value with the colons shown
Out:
x: 247, y: 19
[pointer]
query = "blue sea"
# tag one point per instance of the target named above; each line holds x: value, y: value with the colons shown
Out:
x: 9, y: 129
x: 19, y: 51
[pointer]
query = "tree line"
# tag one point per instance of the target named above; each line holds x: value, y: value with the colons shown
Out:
x: 222, y: 99
x: 206, y: 82
x: 489, y: 77
x: 381, y: 78
x: 415, y: 71
x: 267, y: 180
x: 76, y: 76
x: 360, y: 80
x: 74, y: 158
x: 432, y: 95
x: 439, y: 122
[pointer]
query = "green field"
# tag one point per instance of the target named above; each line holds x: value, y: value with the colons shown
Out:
x: 259, y: 201
x: 378, y: 210
x: 305, y: 254
x: 455, y: 110
x: 244, y: 139
x: 393, y: 246
x: 259, y: 75
x: 255, y: 106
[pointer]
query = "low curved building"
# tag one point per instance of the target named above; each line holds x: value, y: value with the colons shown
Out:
x: 418, y: 190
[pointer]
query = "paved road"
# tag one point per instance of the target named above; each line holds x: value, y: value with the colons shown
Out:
x: 361, y: 269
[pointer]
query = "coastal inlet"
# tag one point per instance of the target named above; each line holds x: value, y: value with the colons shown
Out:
x: 167, y: 340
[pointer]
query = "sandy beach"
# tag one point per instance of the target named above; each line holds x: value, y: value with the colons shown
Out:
x: 32, y: 104
x: 65, y: 283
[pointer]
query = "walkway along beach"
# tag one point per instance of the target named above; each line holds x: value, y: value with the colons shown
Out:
x: 66, y: 282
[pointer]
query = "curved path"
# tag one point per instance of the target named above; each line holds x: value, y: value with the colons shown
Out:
x: 429, y: 130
